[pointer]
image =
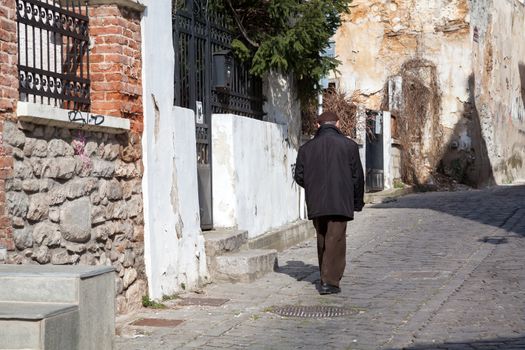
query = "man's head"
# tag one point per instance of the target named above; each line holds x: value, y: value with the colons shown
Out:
x: 328, y: 118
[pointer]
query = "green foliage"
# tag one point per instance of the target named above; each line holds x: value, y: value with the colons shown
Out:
x: 147, y: 302
x: 287, y: 36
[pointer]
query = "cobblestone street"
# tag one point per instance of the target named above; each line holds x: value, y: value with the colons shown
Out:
x: 428, y: 271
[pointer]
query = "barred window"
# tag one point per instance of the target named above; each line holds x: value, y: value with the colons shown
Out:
x: 53, y: 53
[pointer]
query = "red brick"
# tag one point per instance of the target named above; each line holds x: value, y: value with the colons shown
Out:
x: 103, y: 11
x: 114, y: 39
x: 7, y: 243
x: 6, y: 173
x: 110, y: 30
x: 106, y: 86
x: 5, y: 221
x: 6, y: 162
x: 106, y: 105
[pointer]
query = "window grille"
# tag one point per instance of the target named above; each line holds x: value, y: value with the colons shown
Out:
x: 53, y: 52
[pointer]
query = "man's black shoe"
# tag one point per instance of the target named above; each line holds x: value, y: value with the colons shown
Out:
x: 328, y: 289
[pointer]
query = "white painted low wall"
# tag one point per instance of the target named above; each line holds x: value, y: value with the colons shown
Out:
x: 173, y: 241
x: 253, y: 187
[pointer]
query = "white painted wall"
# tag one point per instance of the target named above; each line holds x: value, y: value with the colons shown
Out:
x: 253, y: 187
x: 174, y: 245
x: 387, y: 151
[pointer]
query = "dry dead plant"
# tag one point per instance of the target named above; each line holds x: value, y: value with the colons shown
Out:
x: 337, y: 101
x: 420, y: 115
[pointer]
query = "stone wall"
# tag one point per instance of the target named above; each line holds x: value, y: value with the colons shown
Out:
x: 76, y: 198
x: 68, y: 195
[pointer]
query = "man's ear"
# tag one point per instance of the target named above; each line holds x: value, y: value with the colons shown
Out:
x: 317, y: 125
x: 338, y: 124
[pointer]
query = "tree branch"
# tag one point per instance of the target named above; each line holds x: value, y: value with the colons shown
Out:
x: 241, y: 27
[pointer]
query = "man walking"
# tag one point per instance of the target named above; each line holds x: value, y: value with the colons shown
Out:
x: 329, y: 169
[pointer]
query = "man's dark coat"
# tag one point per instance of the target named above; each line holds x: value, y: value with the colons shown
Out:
x: 329, y: 169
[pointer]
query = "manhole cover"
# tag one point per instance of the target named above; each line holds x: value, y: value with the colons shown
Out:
x: 203, y: 301
x: 312, y: 311
x: 156, y: 322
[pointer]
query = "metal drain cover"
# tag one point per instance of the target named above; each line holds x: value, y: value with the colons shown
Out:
x: 316, y: 311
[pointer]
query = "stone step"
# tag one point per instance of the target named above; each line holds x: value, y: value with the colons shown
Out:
x: 245, y: 265
x: 48, y: 326
x: 222, y: 241
x: 92, y: 288
x: 284, y: 237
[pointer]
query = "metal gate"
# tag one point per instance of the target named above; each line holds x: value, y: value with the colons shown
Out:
x: 208, y: 79
x: 374, y: 152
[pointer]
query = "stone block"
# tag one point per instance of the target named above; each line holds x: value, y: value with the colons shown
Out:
x: 59, y: 148
x: 39, y: 326
x: 60, y: 257
x: 80, y: 187
x: 135, y: 206
x: 130, y: 275
x: 60, y: 168
x: 38, y: 207
x: 223, y: 241
x: 75, y: 220
x: 22, y: 170
x: 23, y: 238
x: 41, y: 254
x: 103, y: 168
x: 245, y: 266
x: 39, y: 149
x: 12, y: 135
x: 17, y: 203
x: 91, y: 288
x: 45, y: 233
x: 111, y: 189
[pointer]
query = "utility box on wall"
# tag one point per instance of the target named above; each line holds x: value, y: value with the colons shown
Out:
x: 222, y: 70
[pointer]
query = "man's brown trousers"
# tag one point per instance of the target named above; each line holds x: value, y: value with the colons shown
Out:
x: 331, y: 248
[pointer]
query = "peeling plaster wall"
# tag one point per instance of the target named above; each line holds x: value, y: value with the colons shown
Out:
x: 499, y: 84
x: 380, y: 36
x: 282, y: 106
x: 174, y: 245
x: 481, y: 112
x: 253, y: 187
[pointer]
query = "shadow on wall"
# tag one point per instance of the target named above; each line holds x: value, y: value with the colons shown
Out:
x: 521, y: 68
x: 465, y: 158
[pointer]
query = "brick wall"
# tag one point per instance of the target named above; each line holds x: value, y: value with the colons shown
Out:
x: 116, y: 86
x: 8, y: 99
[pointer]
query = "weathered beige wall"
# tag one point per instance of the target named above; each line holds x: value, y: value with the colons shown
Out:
x: 378, y: 38
x: 499, y: 83
x: 479, y: 84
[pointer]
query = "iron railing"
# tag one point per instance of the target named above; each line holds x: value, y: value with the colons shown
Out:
x: 53, y: 52
x: 199, y: 32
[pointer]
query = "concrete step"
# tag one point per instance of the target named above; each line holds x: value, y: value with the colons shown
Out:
x: 284, y: 237
x: 245, y: 265
x: 222, y: 241
x: 92, y: 288
x: 48, y: 326
x: 45, y: 283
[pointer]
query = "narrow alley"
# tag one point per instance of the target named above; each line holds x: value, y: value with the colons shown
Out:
x: 441, y: 270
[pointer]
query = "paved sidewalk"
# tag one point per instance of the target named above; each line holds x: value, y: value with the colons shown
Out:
x: 429, y: 271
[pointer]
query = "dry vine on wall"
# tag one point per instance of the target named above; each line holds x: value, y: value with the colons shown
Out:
x: 419, y: 126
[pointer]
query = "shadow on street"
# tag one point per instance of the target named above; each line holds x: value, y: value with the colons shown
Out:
x: 496, y: 343
x: 494, y: 206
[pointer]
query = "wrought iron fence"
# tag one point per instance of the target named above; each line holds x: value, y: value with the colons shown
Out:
x: 199, y: 33
x: 53, y: 52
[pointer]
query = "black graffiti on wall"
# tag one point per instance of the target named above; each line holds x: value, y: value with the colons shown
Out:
x: 85, y: 118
